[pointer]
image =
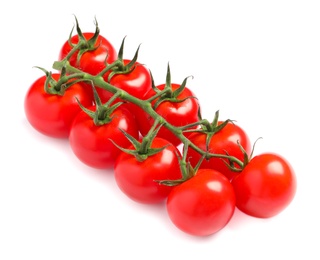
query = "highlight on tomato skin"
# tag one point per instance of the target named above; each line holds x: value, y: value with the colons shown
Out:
x: 266, y: 186
x: 203, y: 205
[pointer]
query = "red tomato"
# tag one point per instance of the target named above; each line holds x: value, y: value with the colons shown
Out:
x: 137, y: 179
x: 202, y: 205
x: 176, y: 113
x: 52, y: 114
x: 266, y: 186
x: 91, y: 143
x: 221, y: 142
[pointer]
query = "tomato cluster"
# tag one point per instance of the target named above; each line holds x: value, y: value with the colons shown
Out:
x: 153, y: 137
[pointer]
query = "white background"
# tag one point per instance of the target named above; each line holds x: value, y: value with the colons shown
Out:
x: 258, y: 62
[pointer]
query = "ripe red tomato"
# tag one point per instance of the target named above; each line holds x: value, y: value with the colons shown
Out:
x: 266, y: 186
x: 221, y: 142
x: 176, y: 113
x: 202, y: 205
x: 137, y: 179
x: 91, y: 143
x: 52, y: 114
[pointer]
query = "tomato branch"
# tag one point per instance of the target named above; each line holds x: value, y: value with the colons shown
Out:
x: 98, y: 81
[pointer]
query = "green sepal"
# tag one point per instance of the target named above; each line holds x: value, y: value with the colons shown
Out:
x: 125, y: 150
x: 207, y: 127
x: 136, y: 144
x: 83, y: 44
x: 179, y: 90
x: 187, y: 171
x: 53, y: 87
x: 135, y: 152
x: 210, y: 128
x: 153, y: 85
x: 168, y: 94
x: 247, y: 158
x: 230, y: 164
x: 103, y: 112
x: 121, y: 49
x: 170, y: 182
x: 121, y: 68
x: 142, y: 150
x: 172, y: 100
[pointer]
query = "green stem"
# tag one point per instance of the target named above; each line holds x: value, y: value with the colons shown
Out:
x: 73, y: 50
x: 159, y: 94
x: 145, y: 144
x: 200, y: 122
x: 117, y: 63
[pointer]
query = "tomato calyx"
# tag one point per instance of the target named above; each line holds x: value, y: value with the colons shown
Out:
x: 118, y: 66
x: 54, y: 87
x: 246, y: 159
x: 83, y: 44
x: 103, y: 112
x: 142, y: 149
x: 208, y: 128
x: 187, y: 171
x: 168, y: 93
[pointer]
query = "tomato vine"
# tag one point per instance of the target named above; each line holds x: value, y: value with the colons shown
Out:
x: 92, y: 102
x: 144, y: 104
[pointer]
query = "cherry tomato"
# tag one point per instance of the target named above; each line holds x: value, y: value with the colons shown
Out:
x: 266, y: 186
x: 91, y: 143
x: 52, y: 114
x: 221, y: 142
x: 176, y: 113
x: 202, y: 205
x: 138, y: 179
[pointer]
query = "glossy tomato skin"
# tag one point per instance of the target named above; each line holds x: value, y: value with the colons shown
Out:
x: 91, y: 143
x: 137, y: 179
x: 202, y: 205
x: 91, y: 61
x: 176, y: 113
x: 221, y: 142
x: 266, y: 186
x: 52, y: 115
